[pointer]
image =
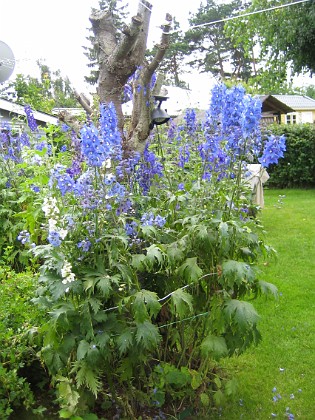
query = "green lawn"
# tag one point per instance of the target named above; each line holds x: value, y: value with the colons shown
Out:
x: 285, y: 359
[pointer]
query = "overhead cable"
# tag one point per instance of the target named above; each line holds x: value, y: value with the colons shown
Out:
x: 243, y: 15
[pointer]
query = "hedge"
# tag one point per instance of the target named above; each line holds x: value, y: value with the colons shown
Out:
x: 297, y: 167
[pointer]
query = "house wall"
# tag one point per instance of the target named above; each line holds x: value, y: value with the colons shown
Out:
x: 299, y: 117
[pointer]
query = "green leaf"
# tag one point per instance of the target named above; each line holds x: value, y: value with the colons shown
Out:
x: 205, y: 400
x: 182, y: 302
x: 125, y: 341
x: 213, y: 346
x: 190, y: 270
x: 231, y: 387
x: 174, y: 253
x: 82, y: 349
x: 154, y: 255
x: 86, y: 376
x: 104, y: 285
x: 196, y: 379
x: 95, y: 304
x: 90, y: 416
x: 138, y: 261
x: 268, y: 288
x: 243, y: 313
x: 89, y: 283
x: 237, y: 272
x: 147, y: 335
x: 150, y: 300
x: 102, y: 339
x: 218, y: 397
x: 64, y: 413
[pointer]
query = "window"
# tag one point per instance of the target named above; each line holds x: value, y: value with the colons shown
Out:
x: 291, y: 118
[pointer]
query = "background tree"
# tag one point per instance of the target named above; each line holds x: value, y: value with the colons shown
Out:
x: 213, y: 50
x: 283, y: 39
x: 48, y: 91
x: 173, y: 62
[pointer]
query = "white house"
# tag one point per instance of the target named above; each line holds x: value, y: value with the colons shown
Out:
x: 303, y: 106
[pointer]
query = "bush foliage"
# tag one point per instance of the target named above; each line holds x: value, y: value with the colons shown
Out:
x: 297, y: 168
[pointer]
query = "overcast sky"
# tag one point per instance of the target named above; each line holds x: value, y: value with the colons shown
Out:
x: 55, y: 30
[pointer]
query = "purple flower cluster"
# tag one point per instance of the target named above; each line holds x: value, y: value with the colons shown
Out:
x: 10, y: 145
x: 148, y: 219
x: 97, y: 146
x: 274, y: 150
x: 24, y: 237
x: 109, y: 131
x: 127, y: 167
x: 191, y: 121
x: 131, y: 228
x: 65, y: 182
x: 85, y: 245
x: 184, y: 155
x: 30, y: 118
x: 149, y: 168
x: 54, y: 238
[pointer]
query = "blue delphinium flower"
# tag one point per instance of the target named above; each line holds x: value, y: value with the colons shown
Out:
x: 130, y: 228
x: 147, y: 219
x: 172, y: 128
x: 65, y: 128
x: 109, y: 131
x: 184, y: 156
x: 41, y: 146
x: 85, y: 245
x: 65, y: 182
x: 214, y: 113
x: 24, y: 237
x: 191, y: 122
x: 274, y: 150
x: 159, y: 221
x: 54, y: 238
x: 149, y: 167
x: 30, y: 118
x: 35, y: 188
x: 25, y: 140
x: 98, y: 146
x: 93, y: 148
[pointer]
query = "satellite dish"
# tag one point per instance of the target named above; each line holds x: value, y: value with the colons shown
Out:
x: 7, y: 62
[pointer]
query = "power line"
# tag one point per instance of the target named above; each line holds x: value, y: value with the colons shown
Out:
x: 244, y: 15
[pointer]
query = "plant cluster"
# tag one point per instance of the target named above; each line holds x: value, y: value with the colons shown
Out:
x: 146, y: 261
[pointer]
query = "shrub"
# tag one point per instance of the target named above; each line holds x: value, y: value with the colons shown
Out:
x: 146, y: 261
x: 297, y: 168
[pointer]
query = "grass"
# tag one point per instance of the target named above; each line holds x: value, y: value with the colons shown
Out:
x: 285, y: 359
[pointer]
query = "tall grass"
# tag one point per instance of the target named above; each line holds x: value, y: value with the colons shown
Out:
x: 277, y: 378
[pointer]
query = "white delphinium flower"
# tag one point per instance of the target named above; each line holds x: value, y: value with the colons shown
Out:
x: 66, y: 273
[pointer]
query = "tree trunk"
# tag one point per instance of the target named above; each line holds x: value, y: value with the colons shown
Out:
x: 119, y: 60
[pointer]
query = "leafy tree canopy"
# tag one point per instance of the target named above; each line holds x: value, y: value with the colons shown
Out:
x: 212, y: 49
x: 173, y: 62
x: 285, y: 37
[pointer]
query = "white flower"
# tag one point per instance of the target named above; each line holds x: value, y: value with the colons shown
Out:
x: 62, y: 233
x: 50, y: 206
x: 66, y: 273
x: 52, y: 225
